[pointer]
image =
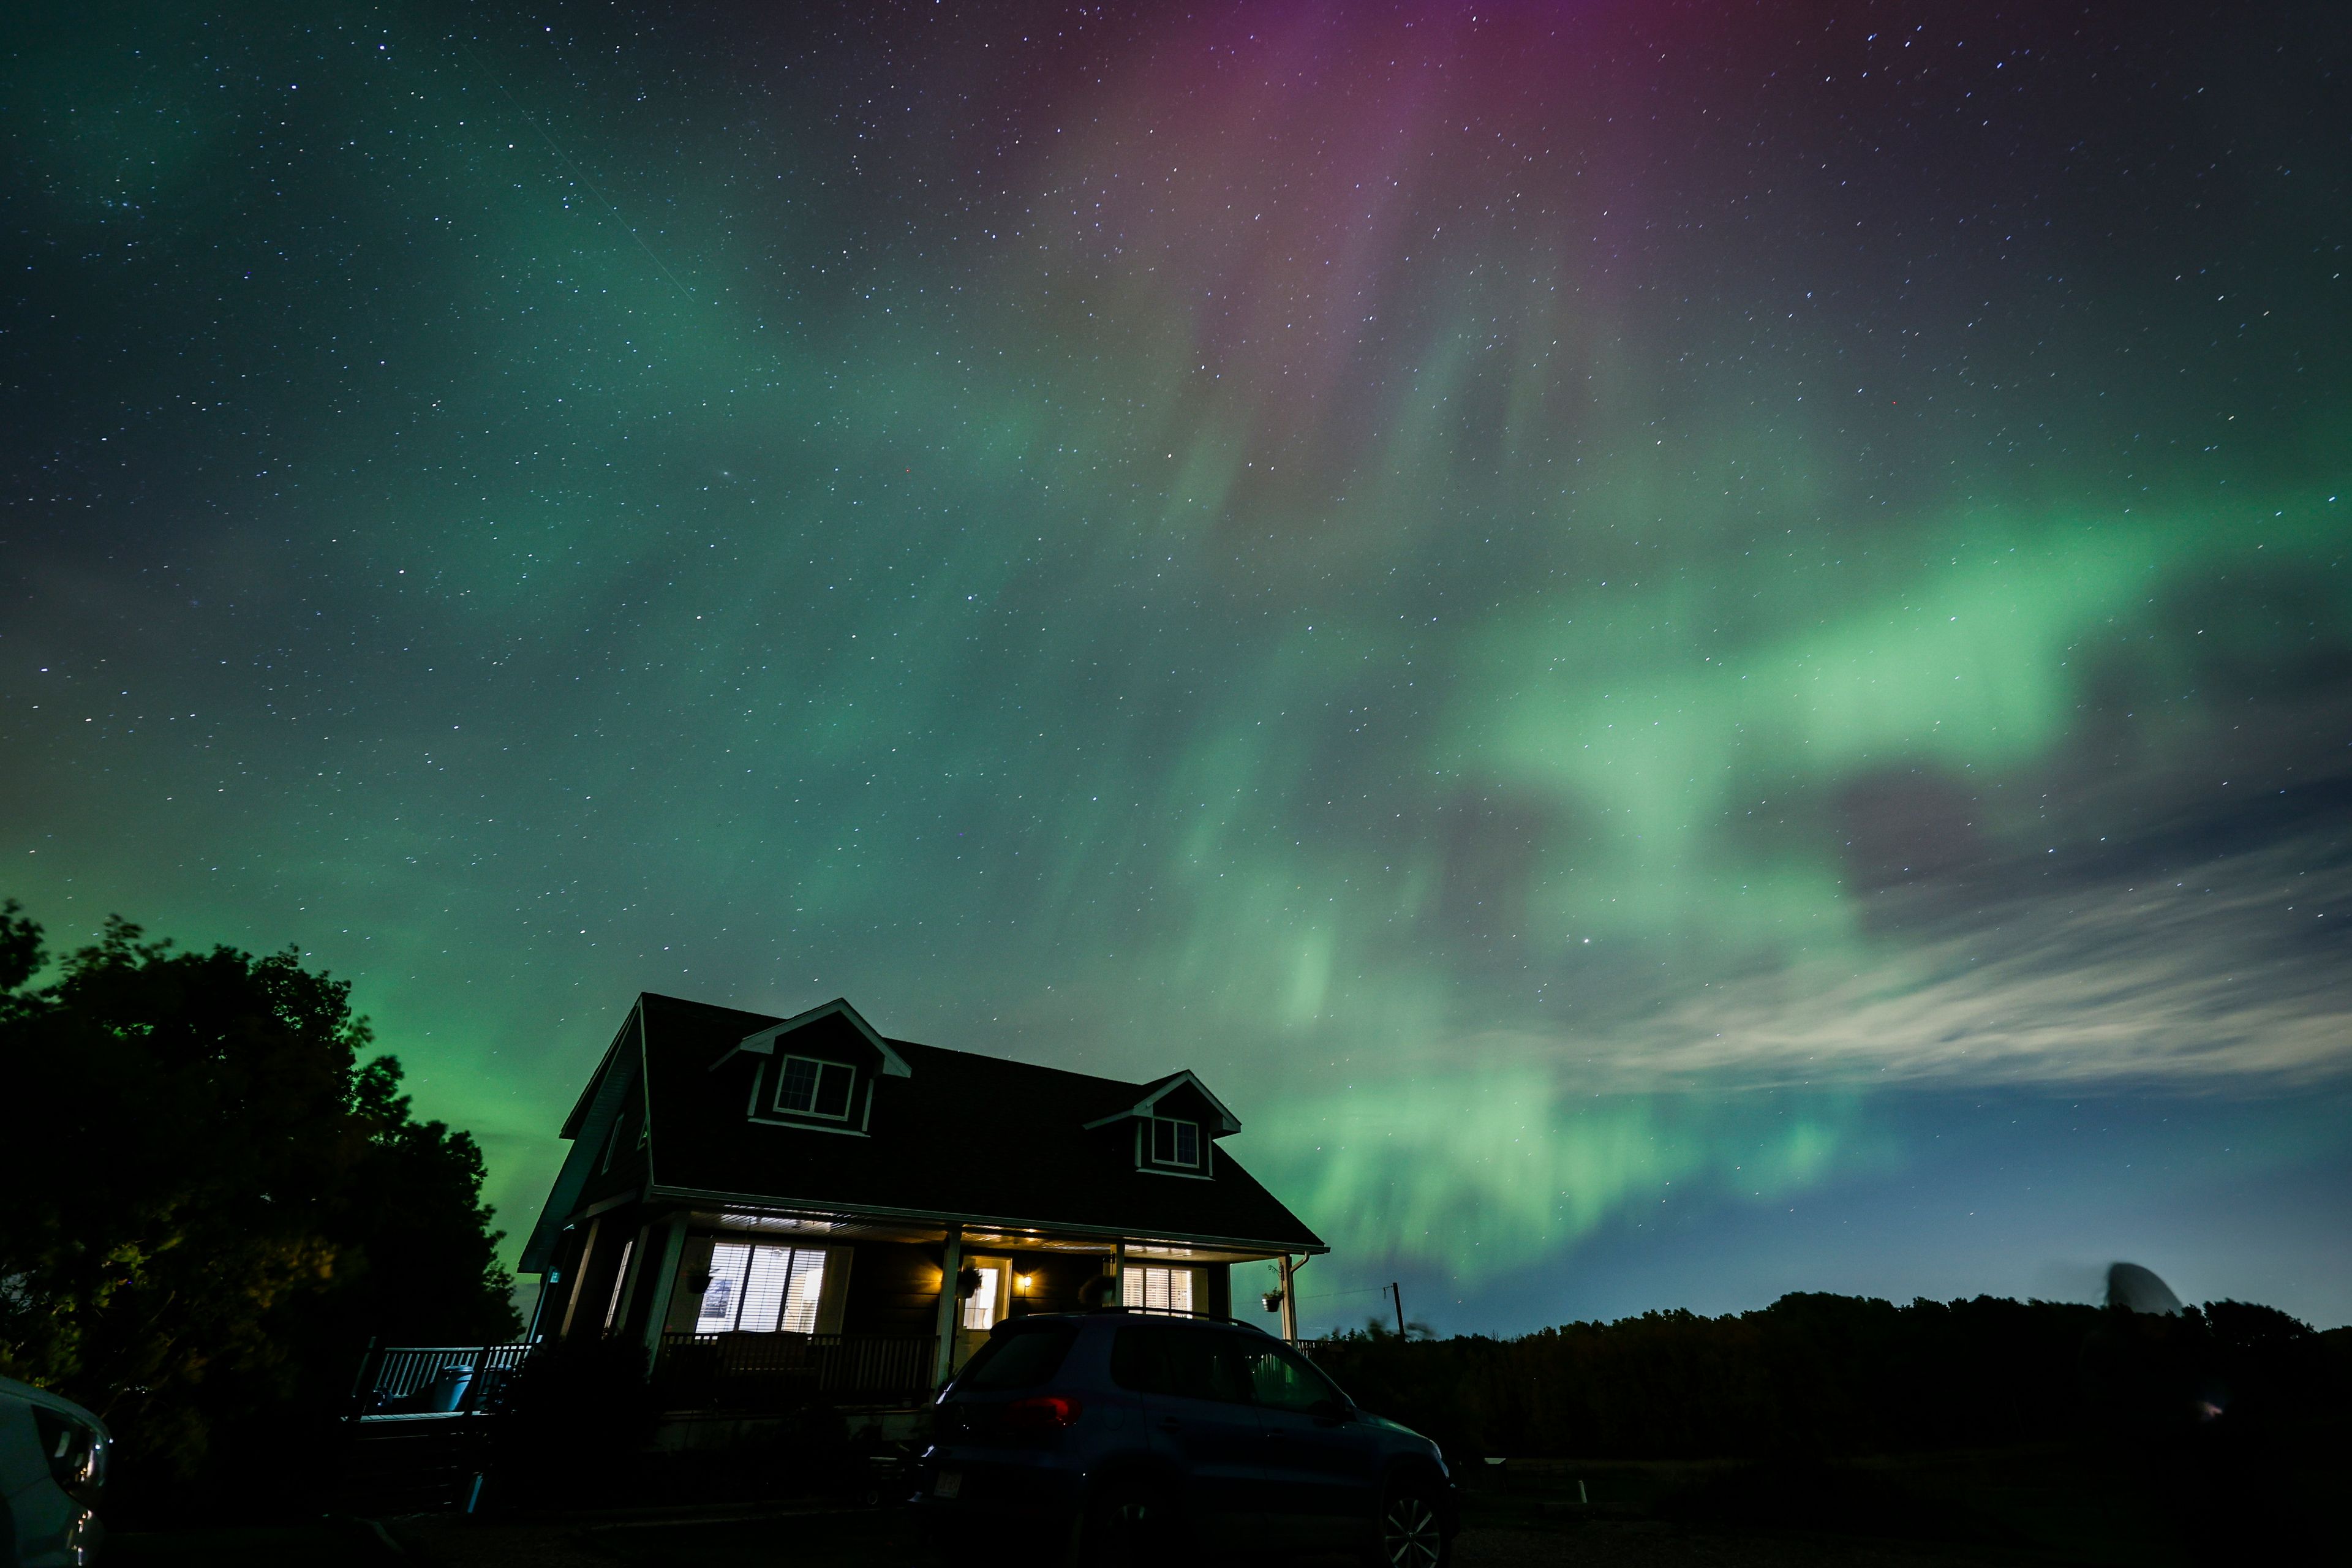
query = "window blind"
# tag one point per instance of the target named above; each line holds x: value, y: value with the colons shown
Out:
x: 756, y: 1289
x: 1155, y: 1289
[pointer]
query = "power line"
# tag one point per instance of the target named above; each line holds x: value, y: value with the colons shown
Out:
x: 1336, y: 1295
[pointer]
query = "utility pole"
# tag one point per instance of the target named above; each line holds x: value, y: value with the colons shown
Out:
x: 1398, y: 1291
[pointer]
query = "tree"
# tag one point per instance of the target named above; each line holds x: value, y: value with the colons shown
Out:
x: 215, y: 1196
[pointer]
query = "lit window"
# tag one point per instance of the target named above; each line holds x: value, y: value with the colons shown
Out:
x: 761, y: 1289
x: 1151, y: 1289
x: 980, y: 1306
x: 815, y: 1088
x: 721, y: 1301
x: 1175, y: 1143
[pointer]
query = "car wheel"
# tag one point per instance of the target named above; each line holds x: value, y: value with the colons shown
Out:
x: 1128, y: 1523
x: 1411, y: 1533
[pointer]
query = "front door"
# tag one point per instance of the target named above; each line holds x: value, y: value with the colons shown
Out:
x: 985, y: 1307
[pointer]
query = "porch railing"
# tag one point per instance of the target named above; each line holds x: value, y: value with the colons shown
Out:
x: 435, y: 1380
x: 750, y: 1370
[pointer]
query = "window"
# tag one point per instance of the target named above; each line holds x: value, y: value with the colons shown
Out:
x: 1184, y: 1363
x: 77, y: 1456
x: 762, y: 1289
x: 1154, y: 1289
x: 815, y: 1088
x: 980, y: 1306
x: 613, y: 1138
x: 1175, y: 1143
x: 1209, y: 1364
x: 1018, y: 1358
x: 1281, y: 1379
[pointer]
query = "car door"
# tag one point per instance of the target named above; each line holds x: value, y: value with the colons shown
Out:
x: 1194, y: 1384
x: 1321, y: 1460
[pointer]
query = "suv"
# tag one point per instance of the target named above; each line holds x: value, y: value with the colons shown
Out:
x: 1127, y: 1434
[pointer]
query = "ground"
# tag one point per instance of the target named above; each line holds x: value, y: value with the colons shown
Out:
x: 1997, y: 1509
x: 871, y: 1541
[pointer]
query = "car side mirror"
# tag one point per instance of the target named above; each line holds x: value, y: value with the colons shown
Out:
x: 1331, y: 1413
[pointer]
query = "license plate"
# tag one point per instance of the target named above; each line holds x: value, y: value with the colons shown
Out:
x: 950, y: 1483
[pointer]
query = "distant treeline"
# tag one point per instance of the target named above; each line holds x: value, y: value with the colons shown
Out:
x: 1826, y: 1375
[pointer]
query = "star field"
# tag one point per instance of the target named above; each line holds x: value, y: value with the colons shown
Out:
x: 1692, y: 651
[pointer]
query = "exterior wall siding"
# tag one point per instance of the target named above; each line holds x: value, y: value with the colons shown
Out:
x: 894, y: 1289
x: 1217, y: 1279
x: 1055, y: 1280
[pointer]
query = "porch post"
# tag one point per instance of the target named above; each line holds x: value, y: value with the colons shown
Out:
x: 950, y: 1318
x: 664, y: 1283
x: 1289, y: 1304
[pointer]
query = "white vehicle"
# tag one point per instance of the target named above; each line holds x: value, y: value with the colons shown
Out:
x: 52, y: 1464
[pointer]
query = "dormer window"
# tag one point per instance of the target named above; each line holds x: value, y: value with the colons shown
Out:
x: 811, y: 1088
x: 1176, y: 1125
x: 818, y: 1072
x: 1175, y: 1143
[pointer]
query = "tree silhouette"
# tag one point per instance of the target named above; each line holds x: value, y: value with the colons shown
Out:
x: 214, y: 1201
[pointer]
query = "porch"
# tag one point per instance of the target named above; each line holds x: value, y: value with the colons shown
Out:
x: 750, y: 1309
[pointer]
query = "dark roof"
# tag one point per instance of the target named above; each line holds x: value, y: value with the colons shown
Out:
x: 964, y: 1136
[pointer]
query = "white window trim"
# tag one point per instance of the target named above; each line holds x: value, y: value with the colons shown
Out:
x: 849, y: 1101
x: 1203, y: 1172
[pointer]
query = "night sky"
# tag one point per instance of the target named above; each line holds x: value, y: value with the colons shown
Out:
x: 1693, y: 650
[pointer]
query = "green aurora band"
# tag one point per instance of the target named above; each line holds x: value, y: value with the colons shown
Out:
x: 1549, y: 645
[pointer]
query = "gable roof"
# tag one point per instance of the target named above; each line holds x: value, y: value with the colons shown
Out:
x: 959, y: 1137
x: 591, y: 1121
x: 1160, y: 1089
x: 763, y: 1042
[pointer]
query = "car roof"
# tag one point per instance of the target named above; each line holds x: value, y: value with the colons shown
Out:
x: 1129, y: 1315
x: 25, y: 1394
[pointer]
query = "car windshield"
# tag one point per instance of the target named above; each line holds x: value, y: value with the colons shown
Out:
x: 1017, y: 1357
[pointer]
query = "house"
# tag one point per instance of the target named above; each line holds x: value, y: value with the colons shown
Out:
x: 749, y: 1196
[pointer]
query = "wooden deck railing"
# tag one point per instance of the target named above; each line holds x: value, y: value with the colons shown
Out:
x: 753, y: 1371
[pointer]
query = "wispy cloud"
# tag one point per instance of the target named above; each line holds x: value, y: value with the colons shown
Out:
x: 2222, y: 976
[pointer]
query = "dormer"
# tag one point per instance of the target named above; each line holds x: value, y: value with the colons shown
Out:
x: 1175, y: 1126
x: 817, y: 1071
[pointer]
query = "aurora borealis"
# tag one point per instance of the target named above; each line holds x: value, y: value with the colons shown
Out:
x: 1690, y: 650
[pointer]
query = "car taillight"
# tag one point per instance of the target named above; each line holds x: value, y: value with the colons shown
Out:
x: 1043, y: 1413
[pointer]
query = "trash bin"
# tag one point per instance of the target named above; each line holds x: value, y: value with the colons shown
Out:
x: 446, y: 1391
